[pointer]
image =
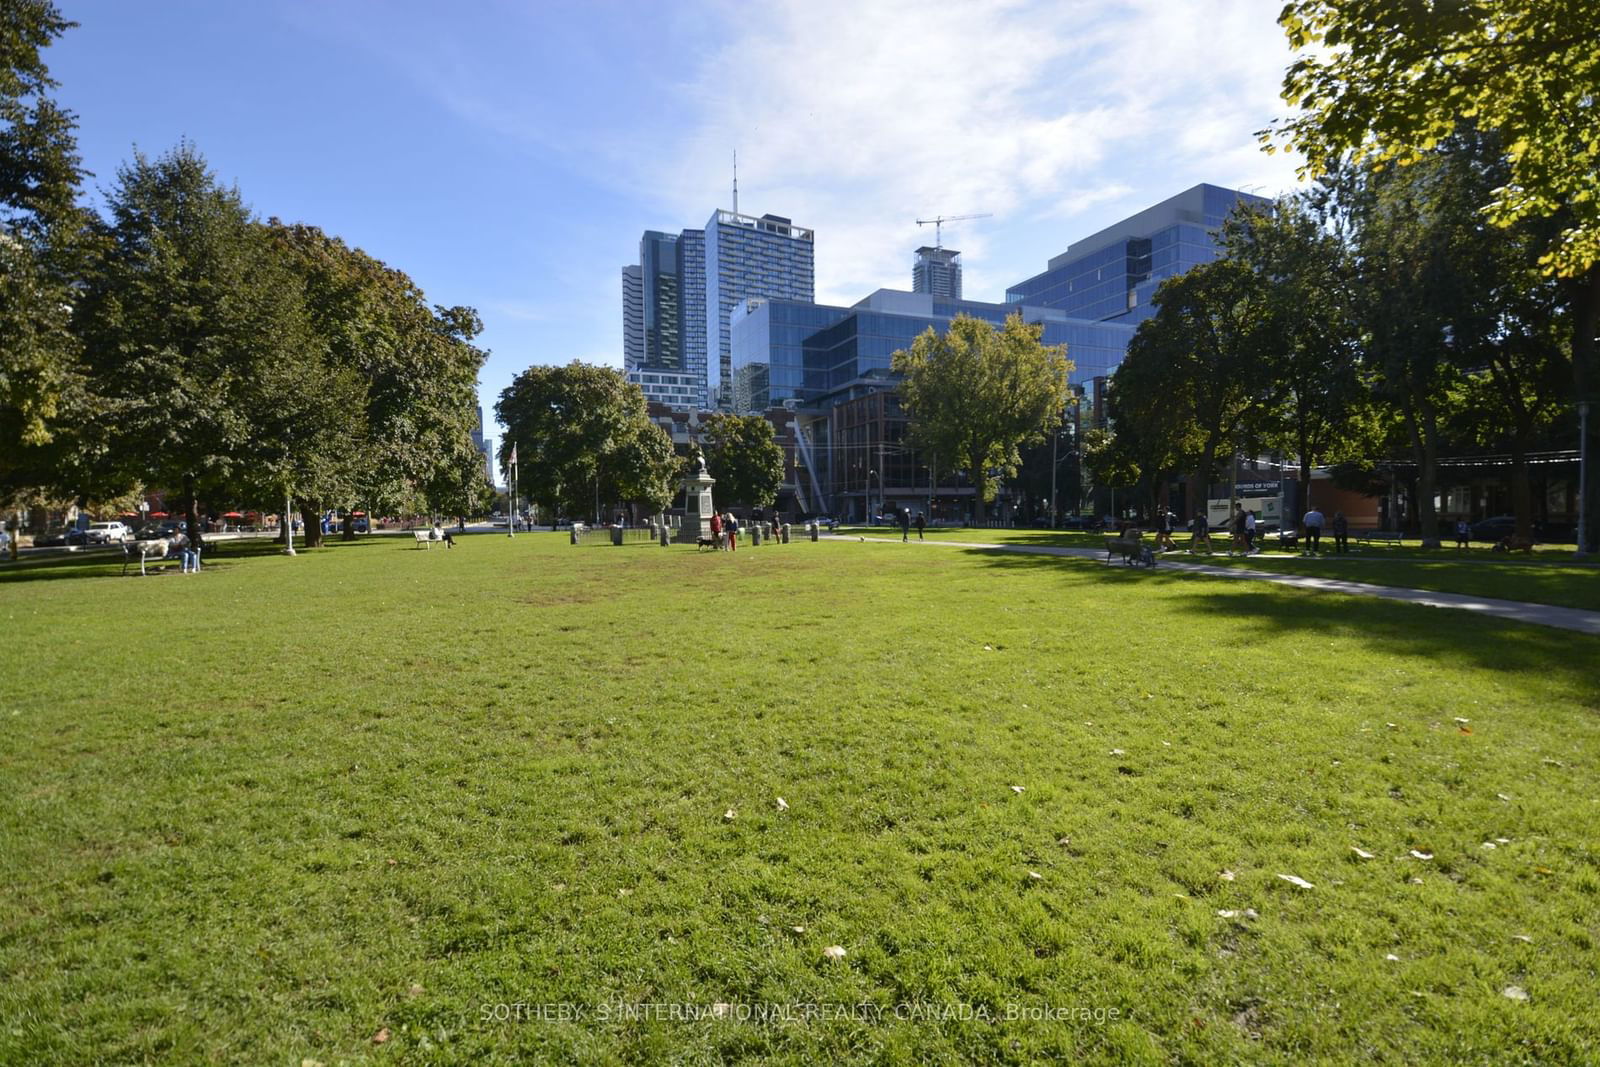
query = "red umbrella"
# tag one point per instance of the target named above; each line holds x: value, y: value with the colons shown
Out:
x: 158, y: 514
x: 358, y: 514
x: 233, y: 515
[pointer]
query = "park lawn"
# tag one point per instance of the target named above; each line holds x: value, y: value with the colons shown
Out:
x: 1547, y: 576
x: 285, y: 807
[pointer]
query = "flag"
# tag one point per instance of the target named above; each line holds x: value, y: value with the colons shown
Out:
x: 513, y: 455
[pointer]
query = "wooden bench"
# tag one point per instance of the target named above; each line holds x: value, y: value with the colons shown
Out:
x: 1131, y: 547
x: 1367, y: 537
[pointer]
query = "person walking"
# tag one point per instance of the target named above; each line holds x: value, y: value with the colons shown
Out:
x: 1463, y: 535
x: 731, y: 525
x: 1201, y: 534
x: 716, y: 530
x: 1312, y: 524
x: 1341, y: 533
x: 1250, y: 533
x: 1239, y: 524
x: 922, y: 524
x: 1164, y: 540
x: 905, y: 525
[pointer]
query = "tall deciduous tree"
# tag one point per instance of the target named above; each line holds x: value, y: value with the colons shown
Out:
x: 1388, y: 80
x: 743, y: 454
x: 186, y: 317
x: 1314, y: 367
x: 584, y: 439
x: 978, y: 395
x: 40, y: 245
x: 1197, y: 374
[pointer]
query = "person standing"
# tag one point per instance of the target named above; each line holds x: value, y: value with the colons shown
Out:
x: 716, y: 530
x: 1341, y: 533
x: 731, y: 525
x: 1312, y: 523
x: 1250, y: 533
x: 905, y: 525
x: 1463, y: 535
x: 1239, y: 537
x: 922, y: 524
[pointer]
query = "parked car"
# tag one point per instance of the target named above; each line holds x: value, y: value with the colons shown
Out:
x: 827, y: 521
x: 152, y: 531
x: 1499, y: 528
x: 51, y: 538
x: 107, y: 533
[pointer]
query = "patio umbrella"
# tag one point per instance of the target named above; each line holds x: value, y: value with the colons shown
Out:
x: 158, y: 514
x: 233, y: 515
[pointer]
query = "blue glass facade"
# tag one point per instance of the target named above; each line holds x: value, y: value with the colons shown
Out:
x: 820, y: 355
x: 749, y: 257
x: 1112, y: 275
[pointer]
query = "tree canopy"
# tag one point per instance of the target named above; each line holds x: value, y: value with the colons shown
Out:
x: 976, y: 395
x: 743, y: 454
x: 584, y: 440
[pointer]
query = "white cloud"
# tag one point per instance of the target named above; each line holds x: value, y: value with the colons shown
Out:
x: 856, y: 119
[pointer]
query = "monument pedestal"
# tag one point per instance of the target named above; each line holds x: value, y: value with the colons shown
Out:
x: 698, y: 511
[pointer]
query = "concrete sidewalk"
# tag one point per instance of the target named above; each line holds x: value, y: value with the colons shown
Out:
x: 1584, y: 622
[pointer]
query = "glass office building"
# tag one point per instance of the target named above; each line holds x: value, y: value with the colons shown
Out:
x: 747, y: 257
x: 817, y: 355
x: 663, y: 318
x: 1111, y: 275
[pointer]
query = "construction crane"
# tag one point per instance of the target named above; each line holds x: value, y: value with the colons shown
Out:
x: 938, y: 221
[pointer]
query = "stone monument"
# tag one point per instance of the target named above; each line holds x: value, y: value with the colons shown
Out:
x: 697, y: 504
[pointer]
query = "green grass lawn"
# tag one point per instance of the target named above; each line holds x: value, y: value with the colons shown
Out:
x: 1547, y: 576
x: 287, y: 806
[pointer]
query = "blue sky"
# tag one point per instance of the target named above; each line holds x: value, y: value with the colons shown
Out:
x: 508, y: 155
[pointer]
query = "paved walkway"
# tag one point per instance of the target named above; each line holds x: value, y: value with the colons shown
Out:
x: 1585, y: 622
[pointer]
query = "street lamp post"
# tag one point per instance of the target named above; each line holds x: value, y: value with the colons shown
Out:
x: 288, y: 524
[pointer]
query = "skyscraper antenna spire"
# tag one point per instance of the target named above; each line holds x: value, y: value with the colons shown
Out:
x: 735, y: 181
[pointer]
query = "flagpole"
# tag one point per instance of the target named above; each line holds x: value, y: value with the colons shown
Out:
x: 511, y: 519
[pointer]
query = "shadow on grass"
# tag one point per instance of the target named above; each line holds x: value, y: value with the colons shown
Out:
x: 1266, y: 611
x: 99, y: 563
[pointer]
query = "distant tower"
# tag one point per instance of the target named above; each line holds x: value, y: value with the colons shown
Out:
x: 937, y: 271
x: 632, y: 317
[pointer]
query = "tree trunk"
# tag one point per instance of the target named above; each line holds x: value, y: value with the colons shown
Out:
x: 1200, y: 484
x: 312, y: 518
x: 1586, y: 379
x: 1425, y: 444
x: 1521, y: 487
x: 14, y: 546
x: 191, y: 512
x: 980, y: 484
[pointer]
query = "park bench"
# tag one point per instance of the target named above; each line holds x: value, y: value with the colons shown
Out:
x: 1367, y: 537
x: 424, y: 537
x: 150, y: 553
x: 1131, y: 548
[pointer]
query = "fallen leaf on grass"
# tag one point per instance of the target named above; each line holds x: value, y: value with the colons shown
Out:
x: 1502, y: 840
x: 1488, y: 845
x: 1035, y: 876
x: 1514, y: 992
x: 834, y: 952
x: 1018, y: 788
x: 1522, y: 937
x: 1503, y: 797
x: 1226, y: 876
x: 1234, y: 913
x: 1118, y: 752
x: 783, y: 805
x: 1553, y: 763
x: 988, y: 648
x: 1361, y: 852
x: 1392, y: 957
x: 1421, y: 855
x: 415, y: 990
x: 1064, y: 841
x: 1465, y: 729
x: 729, y: 815
x: 1462, y: 721
x: 1543, y: 870
x: 1392, y: 725
x: 624, y: 892
x: 381, y: 1036
x: 1415, y: 880
x: 798, y: 929
x: 1296, y: 880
